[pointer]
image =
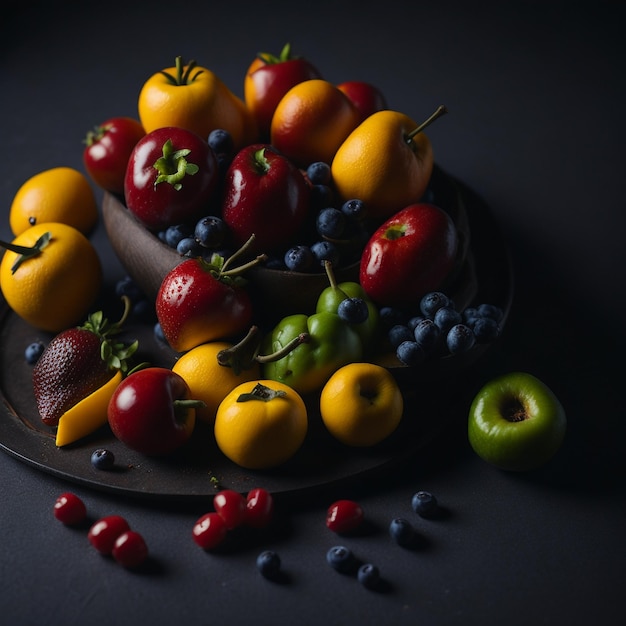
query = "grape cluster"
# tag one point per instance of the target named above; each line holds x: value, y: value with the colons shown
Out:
x: 439, y: 328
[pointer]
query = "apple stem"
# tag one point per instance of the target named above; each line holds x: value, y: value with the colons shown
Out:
x: 328, y: 266
x: 441, y: 110
x: 261, y: 258
x: 181, y: 407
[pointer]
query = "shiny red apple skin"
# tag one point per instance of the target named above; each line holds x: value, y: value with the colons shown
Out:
x: 194, y: 306
x: 367, y: 98
x: 265, y: 195
x: 409, y: 255
x: 142, y: 412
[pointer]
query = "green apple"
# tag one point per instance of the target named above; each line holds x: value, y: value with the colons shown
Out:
x: 516, y: 422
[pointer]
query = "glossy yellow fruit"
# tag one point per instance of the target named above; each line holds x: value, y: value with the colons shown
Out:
x: 86, y: 416
x: 361, y: 404
x: 207, y: 379
x: 261, y: 432
x: 55, y: 288
x: 311, y: 121
x: 377, y: 164
x: 60, y: 194
x: 196, y: 99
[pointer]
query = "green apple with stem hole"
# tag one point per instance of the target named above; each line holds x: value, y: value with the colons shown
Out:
x: 516, y: 422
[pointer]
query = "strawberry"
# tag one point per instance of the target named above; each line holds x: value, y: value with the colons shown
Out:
x: 77, y: 362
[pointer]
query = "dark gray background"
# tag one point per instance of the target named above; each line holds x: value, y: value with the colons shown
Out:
x: 536, y: 126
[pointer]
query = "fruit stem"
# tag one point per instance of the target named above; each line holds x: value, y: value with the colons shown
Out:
x: 183, y: 76
x: 261, y: 392
x: 26, y: 252
x: 172, y: 166
x: 328, y: 267
x: 241, y: 268
x: 441, y: 110
x: 182, y: 406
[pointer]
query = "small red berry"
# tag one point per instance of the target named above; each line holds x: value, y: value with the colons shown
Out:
x: 103, y: 534
x: 259, y: 508
x: 209, y: 531
x: 231, y: 507
x: 130, y: 549
x: 70, y: 509
x: 344, y: 516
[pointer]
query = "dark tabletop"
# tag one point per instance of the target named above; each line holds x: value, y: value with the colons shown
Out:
x: 536, y: 128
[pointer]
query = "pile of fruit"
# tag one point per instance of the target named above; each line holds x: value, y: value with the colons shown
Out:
x: 301, y: 176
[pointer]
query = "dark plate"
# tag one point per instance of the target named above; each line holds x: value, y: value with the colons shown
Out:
x: 194, y: 472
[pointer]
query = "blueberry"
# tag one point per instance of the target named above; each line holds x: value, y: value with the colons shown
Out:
x: 415, y: 320
x: 485, y: 329
x: 341, y: 559
x: 446, y: 317
x: 460, y: 339
x: 399, y: 333
x: 354, y: 208
x: 491, y: 311
x: 432, y: 302
x: 299, y: 258
x: 424, y: 503
x: 330, y: 223
x: 353, y: 310
x: 321, y: 196
x: 33, y: 351
x: 368, y: 575
x: 470, y: 315
x: 102, y: 459
x: 210, y: 232
x: 325, y: 251
x: 268, y: 563
x: 175, y: 233
x: 188, y: 246
x: 318, y: 173
x: 158, y: 333
x: 401, y: 531
x: 128, y: 287
x: 410, y: 353
x: 221, y: 141
x: 391, y: 316
x: 427, y: 334
x: 143, y: 310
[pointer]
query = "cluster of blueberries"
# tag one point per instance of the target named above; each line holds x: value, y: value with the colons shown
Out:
x: 336, y: 234
x: 439, y: 328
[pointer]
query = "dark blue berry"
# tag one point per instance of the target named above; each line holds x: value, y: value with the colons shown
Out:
x: 432, y: 302
x: 341, y: 559
x: 321, y: 196
x: 221, y: 141
x: 299, y: 258
x: 491, y: 311
x: 211, y: 232
x: 368, y: 575
x: 330, y: 223
x: 175, y: 233
x: 158, y: 333
x: 446, y: 317
x: 424, y: 503
x: 485, y: 329
x: 188, y: 246
x: 398, y: 334
x: 415, y: 320
x: 126, y: 286
x: 470, y: 315
x: 426, y: 334
x: 353, y: 310
x: 268, y: 563
x: 33, y: 351
x: 143, y: 310
x: 401, y: 531
x: 354, y: 208
x: 318, y: 173
x: 460, y: 339
x: 391, y: 316
x: 410, y: 353
x: 102, y: 459
x: 325, y: 251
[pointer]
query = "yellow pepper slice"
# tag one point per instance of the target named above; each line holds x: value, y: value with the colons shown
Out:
x: 88, y: 415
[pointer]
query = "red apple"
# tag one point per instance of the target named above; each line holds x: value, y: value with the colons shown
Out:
x: 265, y: 195
x: 268, y: 79
x: 409, y: 255
x: 366, y: 97
x: 151, y: 411
x: 199, y: 302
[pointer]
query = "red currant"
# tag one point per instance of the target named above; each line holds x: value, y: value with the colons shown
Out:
x: 259, y: 508
x: 103, y: 534
x: 130, y: 549
x: 344, y: 516
x: 231, y: 507
x: 209, y: 531
x: 70, y: 509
